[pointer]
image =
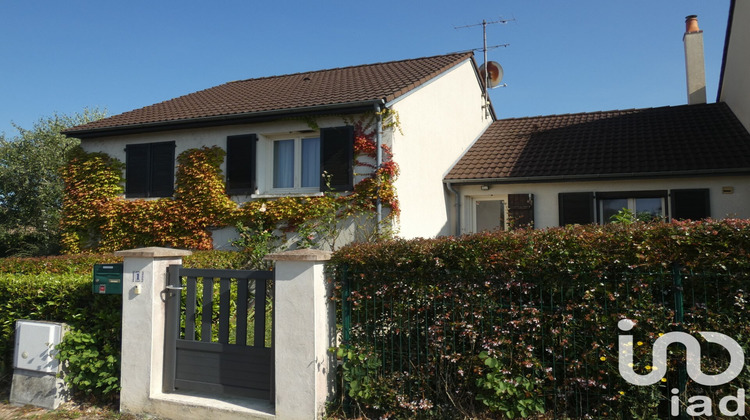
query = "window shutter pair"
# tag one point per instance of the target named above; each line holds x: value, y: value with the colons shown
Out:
x: 578, y: 208
x: 149, y: 169
x: 336, y: 160
x: 520, y: 210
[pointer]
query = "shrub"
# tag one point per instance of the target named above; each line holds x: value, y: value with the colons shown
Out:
x: 509, y: 322
x: 63, y: 298
x: 59, y: 289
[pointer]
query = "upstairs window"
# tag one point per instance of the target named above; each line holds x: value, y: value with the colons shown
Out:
x: 149, y: 170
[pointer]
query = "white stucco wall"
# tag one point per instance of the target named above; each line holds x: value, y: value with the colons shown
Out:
x: 439, y: 121
x: 735, y: 90
x: 735, y: 205
x: 195, y: 138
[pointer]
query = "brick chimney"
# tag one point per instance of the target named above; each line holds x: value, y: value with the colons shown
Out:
x: 694, y: 61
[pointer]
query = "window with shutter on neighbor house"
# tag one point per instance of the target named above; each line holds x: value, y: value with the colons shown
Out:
x: 149, y: 170
x: 296, y: 163
x: 589, y: 207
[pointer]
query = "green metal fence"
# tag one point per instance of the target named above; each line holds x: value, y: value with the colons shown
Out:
x: 556, y: 333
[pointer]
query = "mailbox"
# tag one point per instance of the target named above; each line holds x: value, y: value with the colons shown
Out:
x: 107, y: 279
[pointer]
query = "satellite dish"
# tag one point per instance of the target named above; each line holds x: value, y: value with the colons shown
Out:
x: 495, y: 73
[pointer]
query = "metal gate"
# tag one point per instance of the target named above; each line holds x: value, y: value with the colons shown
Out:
x: 218, y: 336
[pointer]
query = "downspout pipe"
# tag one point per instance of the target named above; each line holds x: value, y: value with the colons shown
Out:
x: 458, y: 207
x: 379, y: 156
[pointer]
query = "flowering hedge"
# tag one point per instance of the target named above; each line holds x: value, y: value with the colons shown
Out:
x: 524, y: 323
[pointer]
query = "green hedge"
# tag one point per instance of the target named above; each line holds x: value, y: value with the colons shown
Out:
x: 59, y: 289
x: 522, y: 323
x: 83, y: 263
x: 723, y: 245
x: 64, y: 298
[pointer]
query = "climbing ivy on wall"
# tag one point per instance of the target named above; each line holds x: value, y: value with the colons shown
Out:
x: 96, y: 217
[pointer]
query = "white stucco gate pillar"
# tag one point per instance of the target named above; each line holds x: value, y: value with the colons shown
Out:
x: 304, y: 330
x: 142, y: 358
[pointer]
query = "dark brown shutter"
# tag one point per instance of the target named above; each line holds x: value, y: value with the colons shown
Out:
x: 337, y: 157
x: 136, y: 170
x: 149, y: 169
x: 162, y: 169
x: 241, y: 164
x: 576, y: 208
x: 520, y: 210
x: 693, y: 204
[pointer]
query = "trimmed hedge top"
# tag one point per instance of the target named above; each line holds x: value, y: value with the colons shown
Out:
x: 701, y: 245
x: 84, y: 263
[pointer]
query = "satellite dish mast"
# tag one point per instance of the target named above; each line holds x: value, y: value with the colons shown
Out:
x: 488, y: 71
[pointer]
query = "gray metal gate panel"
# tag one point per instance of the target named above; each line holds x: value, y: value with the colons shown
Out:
x: 217, y: 366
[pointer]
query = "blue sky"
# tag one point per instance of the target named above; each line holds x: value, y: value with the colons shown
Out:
x: 563, y: 57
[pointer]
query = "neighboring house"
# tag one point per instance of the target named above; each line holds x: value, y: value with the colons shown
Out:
x: 734, y: 85
x: 282, y: 132
x: 681, y: 162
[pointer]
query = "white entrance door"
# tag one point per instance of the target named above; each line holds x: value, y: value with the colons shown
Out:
x: 489, y: 215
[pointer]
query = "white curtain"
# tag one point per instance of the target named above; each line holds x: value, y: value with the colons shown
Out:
x: 311, y: 163
x: 283, y: 164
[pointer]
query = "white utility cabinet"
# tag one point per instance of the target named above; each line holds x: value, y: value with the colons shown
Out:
x: 35, y: 374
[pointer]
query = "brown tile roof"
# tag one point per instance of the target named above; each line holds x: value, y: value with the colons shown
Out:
x: 636, y: 142
x: 341, y: 87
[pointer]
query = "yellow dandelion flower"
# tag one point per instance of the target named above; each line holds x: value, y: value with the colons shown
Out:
x: 664, y: 379
x: 640, y: 343
x: 602, y: 358
x: 648, y: 367
x: 622, y: 392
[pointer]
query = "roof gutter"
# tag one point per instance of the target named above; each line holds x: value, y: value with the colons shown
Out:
x: 597, y: 177
x: 212, y: 121
x: 379, y: 157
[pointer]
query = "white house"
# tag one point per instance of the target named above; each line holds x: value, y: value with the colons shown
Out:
x: 282, y: 132
x: 734, y: 85
x: 681, y: 162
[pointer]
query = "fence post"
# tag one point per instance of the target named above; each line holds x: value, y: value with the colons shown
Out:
x: 679, y: 318
x: 304, y: 330
x: 143, y: 317
x: 346, y: 306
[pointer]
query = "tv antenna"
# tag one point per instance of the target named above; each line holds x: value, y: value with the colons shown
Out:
x: 491, y: 72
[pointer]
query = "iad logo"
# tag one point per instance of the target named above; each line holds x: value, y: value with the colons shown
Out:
x: 693, y: 366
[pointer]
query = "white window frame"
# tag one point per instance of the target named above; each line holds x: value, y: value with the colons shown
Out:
x: 471, y: 211
x: 269, y: 164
